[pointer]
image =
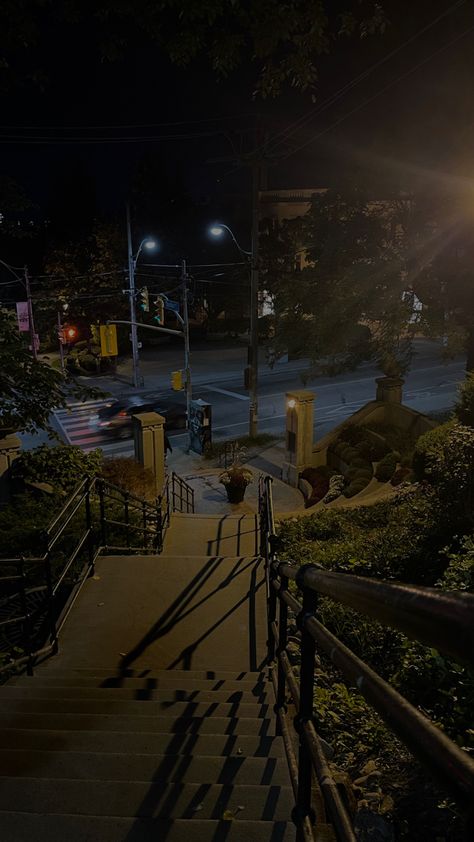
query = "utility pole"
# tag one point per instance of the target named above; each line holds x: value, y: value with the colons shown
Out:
x: 131, y: 294
x: 253, y: 345
x: 60, y: 338
x: 34, y: 349
x: 187, y: 361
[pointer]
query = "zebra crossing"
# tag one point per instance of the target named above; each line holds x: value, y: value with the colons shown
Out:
x: 73, y: 424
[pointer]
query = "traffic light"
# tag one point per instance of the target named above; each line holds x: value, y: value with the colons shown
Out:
x: 144, y: 299
x: 71, y: 333
x: 159, y: 311
x: 177, y: 381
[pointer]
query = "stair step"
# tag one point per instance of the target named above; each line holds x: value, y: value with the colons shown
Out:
x: 141, y: 743
x: 135, y: 798
x: 57, y: 666
x: 144, y: 767
x: 146, y: 708
x: 24, y: 827
x: 218, y: 725
x: 254, y: 688
x: 35, y: 690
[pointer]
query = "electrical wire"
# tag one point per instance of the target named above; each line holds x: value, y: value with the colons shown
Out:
x: 378, y: 93
x: 309, y: 115
x: 139, y: 125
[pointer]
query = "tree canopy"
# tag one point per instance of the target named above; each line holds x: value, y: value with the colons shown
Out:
x: 336, y: 280
x: 29, y: 389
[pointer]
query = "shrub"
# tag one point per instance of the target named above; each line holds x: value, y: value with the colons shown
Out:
x: 338, y: 447
x: 428, y: 449
x: 464, y: 407
x: 364, y: 448
x: 320, y: 488
x: 350, y: 473
x: 386, y: 468
x: 362, y: 463
x: 63, y: 466
x: 355, y: 487
x: 400, y: 475
x: 348, y: 454
x: 363, y: 473
x: 128, y: 474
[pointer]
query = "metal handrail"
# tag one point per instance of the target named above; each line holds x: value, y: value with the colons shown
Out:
x: 440, y: 619
x: 151, y: 532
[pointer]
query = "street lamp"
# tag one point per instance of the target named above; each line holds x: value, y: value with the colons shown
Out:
x: 150, y: 245
x: 216, y: 230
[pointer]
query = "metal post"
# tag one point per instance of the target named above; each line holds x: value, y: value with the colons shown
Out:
x: 30, y: 314
x: 253, y: 345
x: 305, y: 713
x: 90, y: 536
x: 282, y: 644
x: 187, y: 366
x: 131, y: 292
x: 61, y: 346
x: 27, y: 618
x: 127, y: 518
x: 103, y: 524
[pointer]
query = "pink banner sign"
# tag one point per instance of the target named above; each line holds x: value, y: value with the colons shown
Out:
x: 22, y: 315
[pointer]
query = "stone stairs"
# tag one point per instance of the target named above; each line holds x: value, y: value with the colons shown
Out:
x: 155, y: 721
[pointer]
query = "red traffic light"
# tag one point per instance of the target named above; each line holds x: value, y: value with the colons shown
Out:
x: 70, y: 333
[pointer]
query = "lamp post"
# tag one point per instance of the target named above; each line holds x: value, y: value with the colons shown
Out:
x: 150, y: 244
x: 251, y: 256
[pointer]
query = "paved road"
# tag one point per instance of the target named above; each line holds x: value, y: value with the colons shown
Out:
x: 430, y: 386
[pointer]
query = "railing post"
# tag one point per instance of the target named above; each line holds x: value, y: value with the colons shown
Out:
x: 282, y: 644
x: 159, y: 524
x: 305, y: 712
x: 103, y: 524
x: 26, y: 614
x: 127, y: 517
x: 51, y: 598
x: 90, y: 536
x: 145, y: 525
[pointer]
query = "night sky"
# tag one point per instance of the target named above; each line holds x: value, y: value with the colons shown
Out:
x: 420, y: 125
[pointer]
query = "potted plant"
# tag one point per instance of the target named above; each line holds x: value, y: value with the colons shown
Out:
x: 236, y: 479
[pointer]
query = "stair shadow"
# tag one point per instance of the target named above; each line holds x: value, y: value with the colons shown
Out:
x: 214, y: 545
x: 158, y: 801
x: 176, y: 613
x: 186, y: 655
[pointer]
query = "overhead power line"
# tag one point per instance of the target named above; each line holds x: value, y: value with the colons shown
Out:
x: 290, y: 130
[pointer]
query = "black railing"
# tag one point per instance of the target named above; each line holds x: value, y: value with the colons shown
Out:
x: 38, y: 592
x: 436, y: 618
x: 180, y: 494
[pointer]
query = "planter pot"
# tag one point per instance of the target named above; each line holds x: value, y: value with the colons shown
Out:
x: 235, y: 494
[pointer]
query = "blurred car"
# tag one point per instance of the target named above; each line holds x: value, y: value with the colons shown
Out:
x: 115, y: 418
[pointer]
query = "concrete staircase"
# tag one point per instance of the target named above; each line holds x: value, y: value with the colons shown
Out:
x: 155, y: 721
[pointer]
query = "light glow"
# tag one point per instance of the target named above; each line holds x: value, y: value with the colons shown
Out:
x: 216, y: 230
x: 291, y: 403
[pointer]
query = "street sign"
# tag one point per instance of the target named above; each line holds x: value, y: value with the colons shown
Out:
x: 108, y: 341
x: 172, y: 305
x: 23, y: 315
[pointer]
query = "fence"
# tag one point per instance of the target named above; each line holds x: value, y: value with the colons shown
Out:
x: 39, y: 591
x: 435, y: 618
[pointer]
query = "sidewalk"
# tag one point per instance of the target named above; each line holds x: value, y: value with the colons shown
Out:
x: 209, y: 494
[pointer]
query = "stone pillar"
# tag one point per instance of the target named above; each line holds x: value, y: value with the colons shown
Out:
x: 389, y: 389
x: 299, y: 434
x: 148, y: 434
x: 9, y: 450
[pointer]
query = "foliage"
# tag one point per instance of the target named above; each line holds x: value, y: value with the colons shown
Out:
x: 395, y: 437
x: 282, y: 41
x: 452, y: 474
x: 387, y: 466
x: 428, y: 448
x: 401, y: 474
x: 62, y: 467
x: 346, y: 303
x: 23, y: 520
x: 236, y: 477
x: 464, y: 407
x: 128, y: 474
x: 29, y: 389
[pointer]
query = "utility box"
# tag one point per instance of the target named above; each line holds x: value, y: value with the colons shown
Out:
x: 148, y: 434
x: 299, y: 434
x: 200, y: 426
